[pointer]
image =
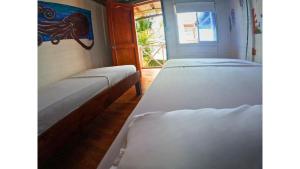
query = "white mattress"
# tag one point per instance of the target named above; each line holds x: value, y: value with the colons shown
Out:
x: 195, y: 84
x: 217, y: 139
x: 112, y: 74
x: 56, y: 101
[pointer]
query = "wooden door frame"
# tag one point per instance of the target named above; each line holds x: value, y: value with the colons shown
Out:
x: 110, y: 4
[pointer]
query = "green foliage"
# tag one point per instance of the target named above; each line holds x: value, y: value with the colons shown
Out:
x: 153, y: 63
x: 143, y: 25
x: 146, y: 37
x: 143, y: 28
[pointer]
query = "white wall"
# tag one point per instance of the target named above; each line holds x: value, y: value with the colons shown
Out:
x: 175, y: 50
x: 56, y: 62
x: 239, y: 31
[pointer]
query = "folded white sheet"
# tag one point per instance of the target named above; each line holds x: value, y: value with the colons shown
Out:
x: 112, y: 74
x: 195, y: 139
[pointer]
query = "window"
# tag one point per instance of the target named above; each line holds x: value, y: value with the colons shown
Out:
x: 195, y: 27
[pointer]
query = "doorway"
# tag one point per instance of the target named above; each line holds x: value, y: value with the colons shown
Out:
x: 150, y: 34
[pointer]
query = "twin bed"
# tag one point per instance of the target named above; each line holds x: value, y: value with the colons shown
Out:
x: 66, y: 107
x: 230, y: 86
x: 58, y: 100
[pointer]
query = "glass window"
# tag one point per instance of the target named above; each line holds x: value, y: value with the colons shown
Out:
x: 187, y: 27
x: 195, y: 27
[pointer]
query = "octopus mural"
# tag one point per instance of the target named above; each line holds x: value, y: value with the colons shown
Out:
x: 57, y: 22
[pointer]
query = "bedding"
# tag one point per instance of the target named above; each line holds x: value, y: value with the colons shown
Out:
x: 195, y: 139
x: 195, y: 84
x: 56, y: 101
x: 208, y: 62
x: 112, y: 74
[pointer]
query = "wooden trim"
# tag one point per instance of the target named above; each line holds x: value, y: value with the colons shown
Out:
x: 150, y: 16
x: 104, y: 2
x: 138, y: 64
x: 71, y: 126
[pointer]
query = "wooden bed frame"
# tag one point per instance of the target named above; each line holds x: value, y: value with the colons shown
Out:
x: 71, y: 126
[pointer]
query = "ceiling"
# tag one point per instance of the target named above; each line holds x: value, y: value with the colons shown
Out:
x: 101, y: 1
x: 147, y: 10
x: 131, y: 1
x: 122, y: 1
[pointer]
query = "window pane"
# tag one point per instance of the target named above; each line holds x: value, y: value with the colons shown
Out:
x: 207, y: 26
x: 187, y: 27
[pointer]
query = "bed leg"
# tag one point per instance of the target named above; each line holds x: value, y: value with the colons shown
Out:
x: 138, y: 88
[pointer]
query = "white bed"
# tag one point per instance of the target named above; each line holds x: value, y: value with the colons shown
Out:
x: 195, y: 84
x: 195, y: 139
x: 56, y: 101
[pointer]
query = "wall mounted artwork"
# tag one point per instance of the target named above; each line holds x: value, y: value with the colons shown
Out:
x: 257, y: 22
x: 57, y: 22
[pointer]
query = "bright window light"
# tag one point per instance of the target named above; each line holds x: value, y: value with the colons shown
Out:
x: 195, y: 27
x: 187, y: 27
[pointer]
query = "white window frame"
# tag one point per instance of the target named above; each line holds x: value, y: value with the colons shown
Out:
x: 183, y: 7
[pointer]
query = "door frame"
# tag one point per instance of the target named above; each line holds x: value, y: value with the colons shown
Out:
x: 164, y: 25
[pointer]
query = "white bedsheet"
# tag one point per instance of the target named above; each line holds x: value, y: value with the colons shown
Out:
x: 112, y: 74
x: 195, y: 84
x: 195, y: 139
x: 208, y: 62
x: 58, y: 100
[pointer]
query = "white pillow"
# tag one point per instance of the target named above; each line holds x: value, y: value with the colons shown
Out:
x: 196, y: 139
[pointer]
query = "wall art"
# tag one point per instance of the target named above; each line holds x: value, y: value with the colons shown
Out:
x: 57, y: 22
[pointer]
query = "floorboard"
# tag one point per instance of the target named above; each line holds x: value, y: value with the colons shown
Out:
x: 87, y: 151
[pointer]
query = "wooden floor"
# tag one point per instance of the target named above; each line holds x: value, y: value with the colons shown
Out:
x: 89, y: 149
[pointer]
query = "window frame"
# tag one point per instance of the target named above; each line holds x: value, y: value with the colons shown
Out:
x: 199, y: 43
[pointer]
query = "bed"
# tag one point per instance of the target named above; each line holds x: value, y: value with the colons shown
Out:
x: 67, y: 106
x: 195, y: 84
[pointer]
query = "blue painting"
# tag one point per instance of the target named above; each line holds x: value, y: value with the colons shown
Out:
x: 57, y: 22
